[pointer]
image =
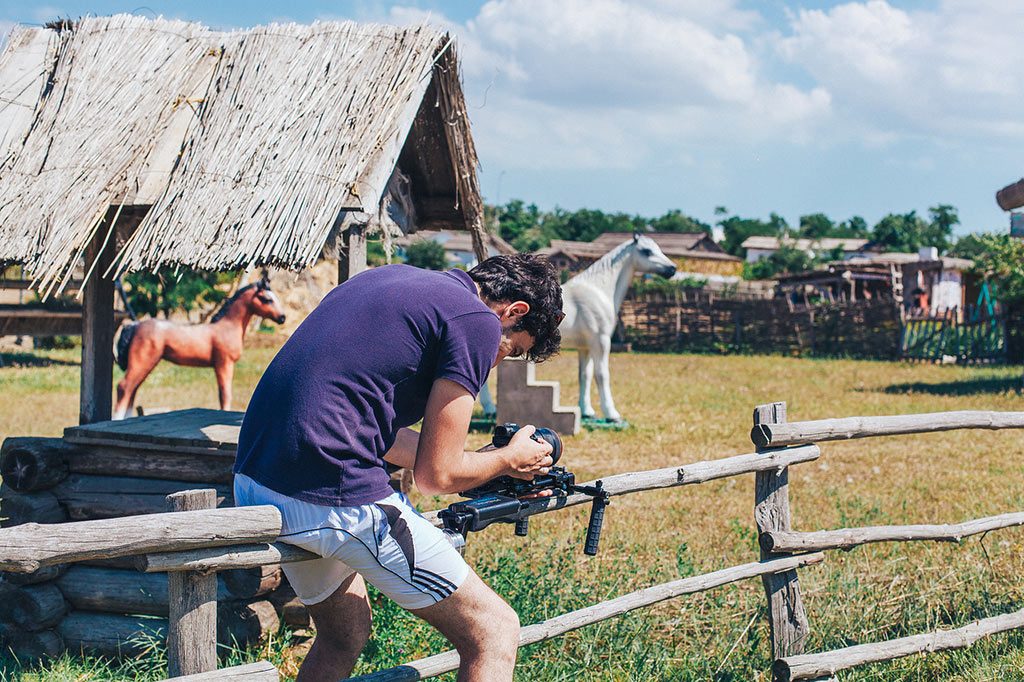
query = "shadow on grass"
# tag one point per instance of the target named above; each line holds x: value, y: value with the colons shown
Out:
x: 31, y: 360
x: 960, y: 388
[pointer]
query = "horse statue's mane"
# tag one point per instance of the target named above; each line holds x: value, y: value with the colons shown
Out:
x: 605, y: 262
x: 228, y: 303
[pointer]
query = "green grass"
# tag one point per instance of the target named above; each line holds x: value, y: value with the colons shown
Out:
x: 686, y: 408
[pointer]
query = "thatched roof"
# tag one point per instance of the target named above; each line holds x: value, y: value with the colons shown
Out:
x: 249, y: 145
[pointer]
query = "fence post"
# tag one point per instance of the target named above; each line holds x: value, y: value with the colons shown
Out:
x: 786, y: 615
x: 192, y: 597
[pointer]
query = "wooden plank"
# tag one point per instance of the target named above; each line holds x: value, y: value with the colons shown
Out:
x: 27, y: 547
x: 198, y: 429
x: 538, y: 632
x: 97, y: 375
x: 98, y: 497
x: 786, y: 616
x: 192, y: 596
x: 811, y: 666
x: 848, y: 538
x: 797, y: 433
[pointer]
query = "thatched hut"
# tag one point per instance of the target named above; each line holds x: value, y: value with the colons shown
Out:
x: 138, y: 143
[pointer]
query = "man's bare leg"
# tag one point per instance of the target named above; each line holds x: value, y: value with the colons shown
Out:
x: 342, y: 624
x: 482, y: 627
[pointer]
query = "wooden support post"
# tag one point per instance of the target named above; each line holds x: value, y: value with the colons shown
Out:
x: 786, y: 615
x: 352, y: 254
x: 97, y: 330
x: 192, y: 597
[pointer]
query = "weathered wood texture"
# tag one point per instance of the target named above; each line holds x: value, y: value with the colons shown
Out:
x: 192, y: 619
x: 786, y: 616
x: 43, y: 575
x: 110, y: 635
x: 106, y: 497
x: 244, y: 624
x: 197, y: 430
x: 261, y: 671
x: 810, y: 666
x: 847, y: 538
x: 619, y: 484
x: 708, y: 321
x: 1011, y: 196
x: 97, y: 376
x: 796, y: 433
x: 113, y: 590
x: 27, y: 547
x: 30, y: 464
x: 17, y: 508
x: 33, y: 607
x: 449, y: 660
x: 29, y: 647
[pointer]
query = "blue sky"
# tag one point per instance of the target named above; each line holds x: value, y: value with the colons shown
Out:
x: 864, y: 107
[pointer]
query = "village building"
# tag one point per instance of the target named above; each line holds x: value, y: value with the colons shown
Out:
x: 758, y: 247
x: 693, y: 253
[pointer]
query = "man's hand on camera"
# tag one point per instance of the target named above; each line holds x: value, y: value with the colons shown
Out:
x: 526, y: 457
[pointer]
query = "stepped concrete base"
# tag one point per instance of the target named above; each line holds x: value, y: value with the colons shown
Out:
x: 525, y: 400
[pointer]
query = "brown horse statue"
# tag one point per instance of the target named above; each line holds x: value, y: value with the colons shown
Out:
x: 217, y: 344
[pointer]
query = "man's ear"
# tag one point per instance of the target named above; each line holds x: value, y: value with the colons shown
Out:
x: 517, y: 309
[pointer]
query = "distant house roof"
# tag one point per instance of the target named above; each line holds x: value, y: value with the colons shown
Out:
x: 848, y: 245
x: 671, y: 248
x: 457, y: 241
x: 947, y: 262
x: 671, y: 243
x: 247, y: 147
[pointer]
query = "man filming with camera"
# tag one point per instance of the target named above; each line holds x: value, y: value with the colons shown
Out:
x: 382, y: 351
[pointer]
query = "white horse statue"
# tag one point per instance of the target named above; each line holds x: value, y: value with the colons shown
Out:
x: 591, y: 302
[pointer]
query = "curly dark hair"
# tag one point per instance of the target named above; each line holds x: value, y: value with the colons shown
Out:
x: 529, y: 278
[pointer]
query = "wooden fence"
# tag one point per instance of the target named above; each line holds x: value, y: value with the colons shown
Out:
x: 193, y: 543
x: 701, y: 321
x: 974, y: 335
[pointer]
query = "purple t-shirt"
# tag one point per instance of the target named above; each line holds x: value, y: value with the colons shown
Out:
x: 356, y: 370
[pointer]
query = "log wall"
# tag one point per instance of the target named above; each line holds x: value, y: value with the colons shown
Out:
x: 105, y: 604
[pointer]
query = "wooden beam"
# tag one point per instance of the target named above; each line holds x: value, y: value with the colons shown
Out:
x: 795, y: 433
x: 27, y: 547
x: 786, y: 615
x: 538, y: 632
x: 192, y: 602
x: 813, y: 666
x: 261, y: 671
x: 848, y: 538
x: 351, y: 251
x: 97, y: 376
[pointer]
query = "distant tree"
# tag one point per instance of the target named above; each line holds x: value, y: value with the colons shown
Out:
x: 816, y: 226
x: 909, y: 232
x: 855, y: 227
x: 677, y: 221
x: 786, y: 259
x: 970, y: 246
x: 426, y: 254
x: 170, y: 290
x: 737, y: 229
x: 515, y: 218
x: 999, y: 258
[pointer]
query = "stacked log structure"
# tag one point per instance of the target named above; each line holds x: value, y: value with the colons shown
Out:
x: 109, y: 606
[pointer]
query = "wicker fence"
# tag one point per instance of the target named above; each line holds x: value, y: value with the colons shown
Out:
x: 700, y: 321
x: 192, y: 546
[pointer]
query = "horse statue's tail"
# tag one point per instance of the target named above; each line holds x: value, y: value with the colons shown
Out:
x: 124, y: 342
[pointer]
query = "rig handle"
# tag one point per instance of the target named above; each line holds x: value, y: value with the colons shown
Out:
x: 523, y: 526
x: 596, y: 520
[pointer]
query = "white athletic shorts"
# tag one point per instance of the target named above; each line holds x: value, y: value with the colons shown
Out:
x: 388, y: 542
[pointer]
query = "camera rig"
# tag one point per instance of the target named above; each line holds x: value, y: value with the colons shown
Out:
x: 512, y: 500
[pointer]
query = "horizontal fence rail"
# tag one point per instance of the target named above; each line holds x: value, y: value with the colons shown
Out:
x: 848, y: 538
x: 538, y: 632
x: 797, y: 433
x: 28, y: 547
x: 218, y: 559
x: 816, y: 666
x: 261, y: 671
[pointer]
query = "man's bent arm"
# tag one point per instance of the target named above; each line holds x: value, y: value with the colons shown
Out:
x: 443, y: 466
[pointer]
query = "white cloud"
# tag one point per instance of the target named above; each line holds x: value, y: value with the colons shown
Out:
x: 954, y: 70
x: 609, y: 83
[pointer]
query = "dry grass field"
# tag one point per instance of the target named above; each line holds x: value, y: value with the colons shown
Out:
x: 686, y: 408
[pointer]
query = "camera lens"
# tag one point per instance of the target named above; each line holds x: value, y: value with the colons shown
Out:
x: 552, y: 438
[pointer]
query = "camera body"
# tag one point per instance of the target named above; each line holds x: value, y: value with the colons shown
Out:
x: 507, y: 499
